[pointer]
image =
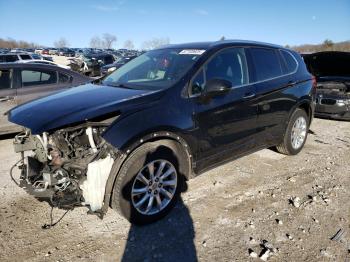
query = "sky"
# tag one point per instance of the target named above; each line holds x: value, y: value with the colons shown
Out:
x: 282, y: 22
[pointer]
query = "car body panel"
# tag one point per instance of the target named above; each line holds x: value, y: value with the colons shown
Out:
x: 98, y: 100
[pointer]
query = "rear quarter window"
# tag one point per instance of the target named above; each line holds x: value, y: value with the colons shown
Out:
x: 266, y: 62
x: 291, y: 63
x: 38, y: 77
x: 64, y: 79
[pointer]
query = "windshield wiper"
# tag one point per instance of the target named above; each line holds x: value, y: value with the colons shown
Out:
x: 122, y: 85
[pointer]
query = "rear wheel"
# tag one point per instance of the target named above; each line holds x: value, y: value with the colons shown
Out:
x: 148, y: 183
x: 296, y: 133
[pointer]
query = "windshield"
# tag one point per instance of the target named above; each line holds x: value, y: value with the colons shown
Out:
x: 155, y: 69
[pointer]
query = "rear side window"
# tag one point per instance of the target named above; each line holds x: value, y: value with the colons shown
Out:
x: 38, y: 77
x: 5, y: 78
x: 25, y: 57
x: 267, y: 63
x: 291, y: 64
x: 8, y: 58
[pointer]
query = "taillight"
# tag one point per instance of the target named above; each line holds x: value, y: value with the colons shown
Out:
x: 314, y: 82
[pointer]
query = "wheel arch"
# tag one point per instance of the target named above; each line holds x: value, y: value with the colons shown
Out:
x: 305, y: 105
x: 162, y: 137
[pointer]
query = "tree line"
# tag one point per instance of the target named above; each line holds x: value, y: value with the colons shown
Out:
x: 11, y: 43
x: 107, y: 41
x: 327, y: 45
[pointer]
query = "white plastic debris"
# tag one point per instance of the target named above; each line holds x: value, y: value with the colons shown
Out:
x: 95, y: 184
x: 253, y: 254
x: 295, y: 201
x: 91, y: 139
x: 265, y: 255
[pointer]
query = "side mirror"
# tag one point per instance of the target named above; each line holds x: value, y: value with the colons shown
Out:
x: 216, y: 86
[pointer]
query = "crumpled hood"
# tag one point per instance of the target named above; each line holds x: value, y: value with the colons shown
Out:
x: 76, y: 105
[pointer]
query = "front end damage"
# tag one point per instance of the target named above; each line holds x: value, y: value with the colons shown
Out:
x: 331, y: 69
x: 68, y: 167
x: 333, y: 99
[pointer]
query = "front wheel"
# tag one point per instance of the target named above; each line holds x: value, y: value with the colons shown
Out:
x: 296, y: 133
x: 148, y: 183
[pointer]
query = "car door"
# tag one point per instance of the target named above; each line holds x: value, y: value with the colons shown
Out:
x: 226, y: 123
x: 39, y: 82
x: 7, y: 100
x: 273, y: 96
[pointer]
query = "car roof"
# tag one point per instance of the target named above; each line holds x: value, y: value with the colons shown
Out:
x: 15, y: 53
x: 97, y: 55
x: 221, y: 43
x: 28, y: 65
x: 40, y: 66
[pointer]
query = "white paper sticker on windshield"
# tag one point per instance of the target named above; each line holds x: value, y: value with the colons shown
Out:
x: 192, y: 52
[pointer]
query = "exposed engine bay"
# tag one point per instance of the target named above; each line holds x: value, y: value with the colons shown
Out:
x: 333, y: 90
x: 332, y: 73
x: 68, y: 167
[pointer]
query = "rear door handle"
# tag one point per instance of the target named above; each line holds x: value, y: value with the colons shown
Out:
x: 249, y: 95
x: 6, y: 98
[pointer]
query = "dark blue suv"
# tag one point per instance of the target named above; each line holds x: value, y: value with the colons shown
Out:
x: 132, y: 140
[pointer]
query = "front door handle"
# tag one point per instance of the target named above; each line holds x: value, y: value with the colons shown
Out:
x: 6, y: 98
x: 249, y: 95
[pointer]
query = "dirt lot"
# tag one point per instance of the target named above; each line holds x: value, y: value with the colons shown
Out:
x: 226, y: 213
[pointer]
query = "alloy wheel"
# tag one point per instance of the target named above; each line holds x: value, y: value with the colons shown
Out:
x: 154, y: 187
x: 298, y: 133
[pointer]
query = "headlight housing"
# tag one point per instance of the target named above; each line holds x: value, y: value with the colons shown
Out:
x: 111, y: 69
x: 343, y: 102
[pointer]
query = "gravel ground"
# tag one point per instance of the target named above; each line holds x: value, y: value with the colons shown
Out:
x: 265, y: 204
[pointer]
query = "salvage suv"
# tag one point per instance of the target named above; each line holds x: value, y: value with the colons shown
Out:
x: 131, y: 141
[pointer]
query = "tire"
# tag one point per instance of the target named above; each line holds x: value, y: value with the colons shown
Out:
x: 290, y: 146
x: 152, y: 153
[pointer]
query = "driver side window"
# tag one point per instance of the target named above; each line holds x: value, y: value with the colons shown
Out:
x: 229, y: 64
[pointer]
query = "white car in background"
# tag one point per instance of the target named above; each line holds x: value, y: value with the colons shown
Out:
x: 13, y: 57
x: 38, y: 61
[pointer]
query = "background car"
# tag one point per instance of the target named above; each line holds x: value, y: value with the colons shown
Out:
x: 13, y: 57
x: 45, y: 62
x: 102, y: 58
x: 117, y: 64
x: 66, y: 52
x: 53, y: 51
x: 22, y: 82
x: 332, y: 72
